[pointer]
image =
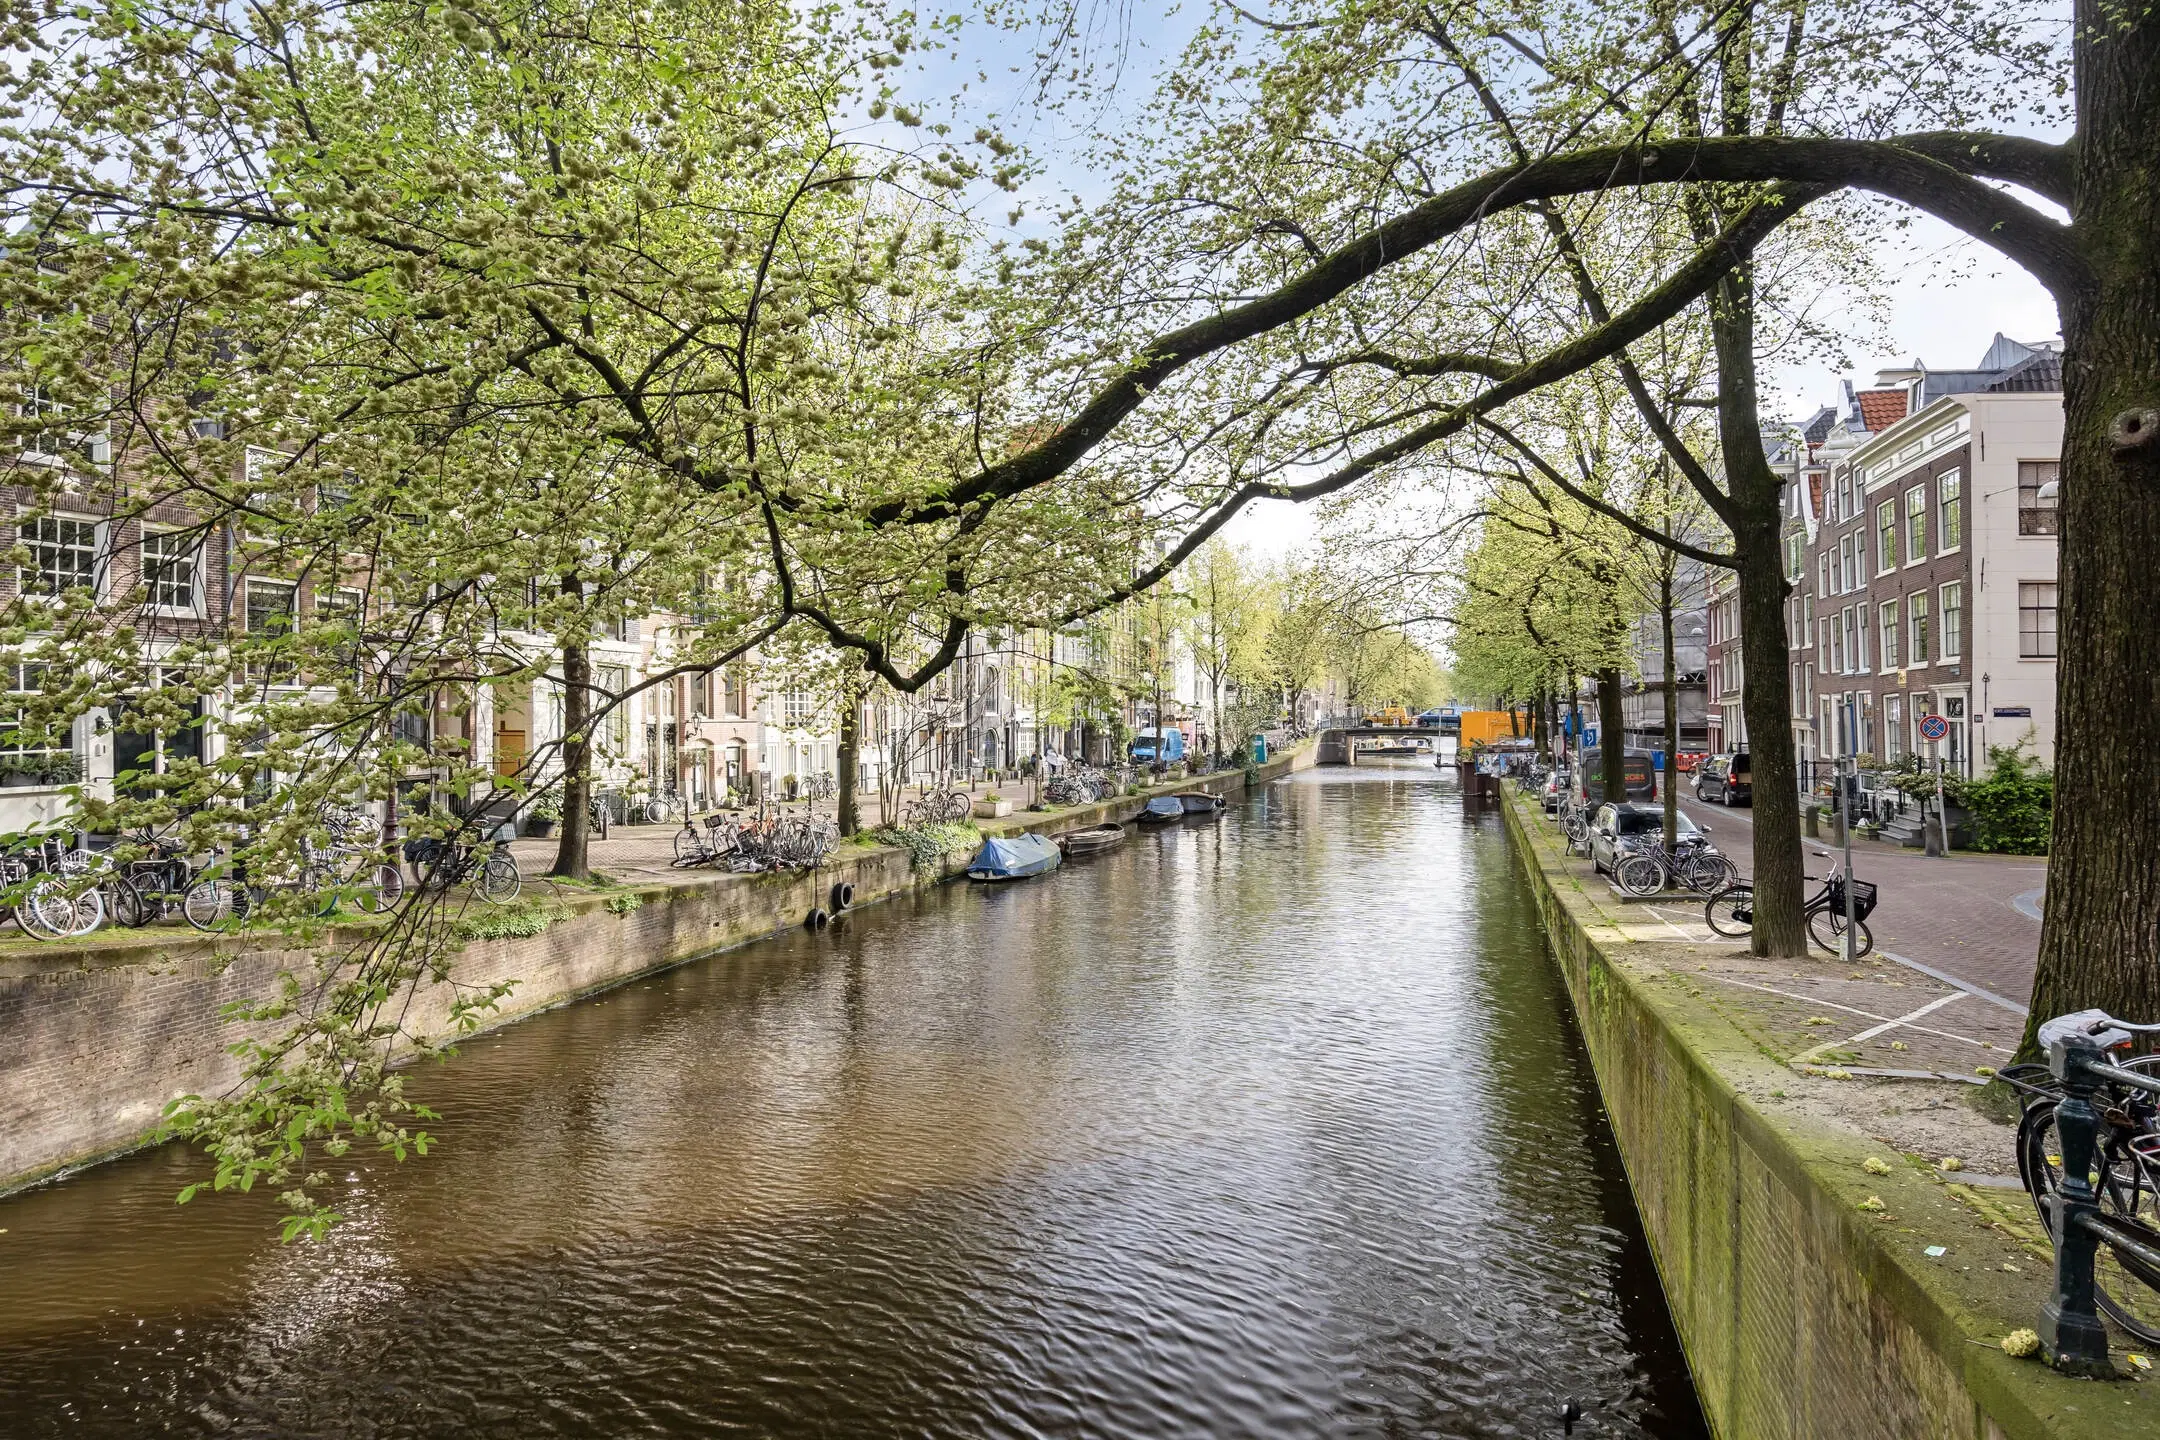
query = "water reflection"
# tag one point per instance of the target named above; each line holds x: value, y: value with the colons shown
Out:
x: 1268, y: 1126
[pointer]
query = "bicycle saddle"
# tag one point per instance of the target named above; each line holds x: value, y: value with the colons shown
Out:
x: 2096, y: 1026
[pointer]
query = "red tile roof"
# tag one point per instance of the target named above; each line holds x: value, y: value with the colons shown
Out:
x: 1880, y: 409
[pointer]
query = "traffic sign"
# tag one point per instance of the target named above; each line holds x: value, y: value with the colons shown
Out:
x: 1934, y: 727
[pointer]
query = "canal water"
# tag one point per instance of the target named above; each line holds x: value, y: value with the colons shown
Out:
x: 1275, y: 1125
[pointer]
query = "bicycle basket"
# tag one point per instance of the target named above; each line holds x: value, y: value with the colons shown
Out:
x: 1863, y: 897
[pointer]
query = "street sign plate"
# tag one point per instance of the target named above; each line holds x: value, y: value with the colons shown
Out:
x: 1934, y: 727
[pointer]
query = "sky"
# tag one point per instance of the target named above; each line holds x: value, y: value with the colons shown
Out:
x: 1948, y: 296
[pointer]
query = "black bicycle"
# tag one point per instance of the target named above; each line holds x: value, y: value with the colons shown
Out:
x: 1732, y: 912
x: 2124, y: 1171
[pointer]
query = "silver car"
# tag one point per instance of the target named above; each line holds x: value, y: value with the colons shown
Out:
x: 1617, y: 829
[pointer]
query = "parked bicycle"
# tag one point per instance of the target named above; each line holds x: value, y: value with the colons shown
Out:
x: 444, y: 864
x: 934, y: 806
x: 599, y: 813
x: 56, y: 894
x: 2123, y: 1171
x: 1731, y: 912
x: 664, y: 805
x: 152, y: 885
x: 1692, y: 860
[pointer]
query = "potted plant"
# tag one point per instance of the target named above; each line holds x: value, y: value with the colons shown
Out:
x: 992, y: 806
x: 787, y: 787
x: 541, y: 820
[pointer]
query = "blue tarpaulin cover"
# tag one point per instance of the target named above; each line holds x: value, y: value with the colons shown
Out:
x: 1011, y: 856
x: 1163, y: 807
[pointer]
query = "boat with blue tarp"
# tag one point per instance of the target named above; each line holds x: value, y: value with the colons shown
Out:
x: 1014, y: 857
x: 1162, y: 809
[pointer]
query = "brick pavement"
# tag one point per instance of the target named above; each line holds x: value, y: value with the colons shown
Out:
x: 1959, y: 914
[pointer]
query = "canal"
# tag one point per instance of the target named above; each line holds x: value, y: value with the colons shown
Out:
x: 1275, y: 1125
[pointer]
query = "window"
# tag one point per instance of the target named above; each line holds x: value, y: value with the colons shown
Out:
x: 1893, y: 728
x: 63, y: 555
x: 1886, y: 537
x: 1844, y: 565
x: 340, y: 604
x: 613, y: 734
x: 1916, y: 525
x: 1889, y: 617
x: 207, y: 427
x: 1953, y: 621
x: 1793, y: 557
x: 44, y: 444
x: 1916, y: 629
x: 172, y: 571
x: 269, y: 612
x: 2036, y: 619
x: 1822, y: 645
x: 2037, y: 514
x: 1860, y: 636
x: 1845, y: 496
x: 795, y: 708
x: 1822, y: 573
x: 1949, y: 512
x: 17, y: 750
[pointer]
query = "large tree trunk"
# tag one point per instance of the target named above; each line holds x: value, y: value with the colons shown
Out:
x: 1672, y: 708
x: 571, y: 862
x: 2100, y: 941
x: 849, y: 753
x: 1612, y: 736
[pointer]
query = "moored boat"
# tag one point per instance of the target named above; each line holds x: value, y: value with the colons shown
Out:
x: 1014, y: 857
x: 1200, y: 802
x: 1093, y: 840
x: 1161, y: 810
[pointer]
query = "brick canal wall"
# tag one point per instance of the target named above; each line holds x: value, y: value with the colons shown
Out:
x: 96, y: 1039
x: 1801, y: 1314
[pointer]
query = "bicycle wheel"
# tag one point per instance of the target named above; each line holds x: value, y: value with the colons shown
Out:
x: 688, y: 849
x: 126, y: 904
x: 1640, y: 875
x: 207, y: 904
x: 499, y: 880
x: 1827, y: 929
x: 2127, y: 1290
x: 957, y: 805
x: 1731, y: 912
x: 1709, y: 873
x: 381, y: 889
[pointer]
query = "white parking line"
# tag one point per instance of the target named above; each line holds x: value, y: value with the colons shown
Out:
x: 1932, y: 1005
x: 1850, y: 1010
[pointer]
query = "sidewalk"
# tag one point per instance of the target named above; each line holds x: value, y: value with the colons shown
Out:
x: 1972, y: 918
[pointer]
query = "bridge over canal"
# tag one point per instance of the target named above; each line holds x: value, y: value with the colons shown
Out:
x: 1339, y: 743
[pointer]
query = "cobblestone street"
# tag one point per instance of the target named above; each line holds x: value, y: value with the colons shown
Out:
x: 1971, y: 918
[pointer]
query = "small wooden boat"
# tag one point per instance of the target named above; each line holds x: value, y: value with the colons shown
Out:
x: 1200, y: 802
x: 1162, y: 810
x: 1014, y: 857
x: 1092, y: 841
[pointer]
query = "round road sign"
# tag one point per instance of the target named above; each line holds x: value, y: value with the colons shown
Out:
x: 1934, y: 727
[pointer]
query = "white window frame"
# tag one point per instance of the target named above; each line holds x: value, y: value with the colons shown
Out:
x: 1945, y: 634
x: 1919, y: 654
x: 1955, y: 479
x: 27, y: 579
x: 1916, y: 511
x: 193, y: 610
x: 1887, y: 509
x: 2054, y: 610
x: 261, y: 672
x: 1889, y: 616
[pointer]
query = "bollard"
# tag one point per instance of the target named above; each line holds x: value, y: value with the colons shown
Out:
x: 1814, y: 826
x: 2071, y: 1334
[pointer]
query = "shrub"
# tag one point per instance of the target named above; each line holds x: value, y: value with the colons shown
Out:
x: 928, y: 844
x: 2012, y: 804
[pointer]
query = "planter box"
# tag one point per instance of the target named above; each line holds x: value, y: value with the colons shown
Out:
x: 992, y: 809
x: 539, y: 829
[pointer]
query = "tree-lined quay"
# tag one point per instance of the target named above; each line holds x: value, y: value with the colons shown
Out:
x: 439, y: 430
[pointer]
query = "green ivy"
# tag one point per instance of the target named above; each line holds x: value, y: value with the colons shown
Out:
x: 928, y: 844
x: 2012, y: 803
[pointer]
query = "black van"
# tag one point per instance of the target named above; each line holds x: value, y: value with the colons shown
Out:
x: 1641, y: 780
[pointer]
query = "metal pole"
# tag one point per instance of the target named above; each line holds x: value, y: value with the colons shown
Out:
x: 2070, y: 1330
x: 1847, y: 784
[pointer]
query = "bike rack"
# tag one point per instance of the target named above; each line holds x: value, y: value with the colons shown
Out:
x: 2071, y: 1333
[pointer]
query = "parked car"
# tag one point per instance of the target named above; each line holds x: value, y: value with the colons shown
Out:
x: 1617, y: 829
x: 1555, y: 791
x: 1639, y: 778
x: 1726, y: 779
